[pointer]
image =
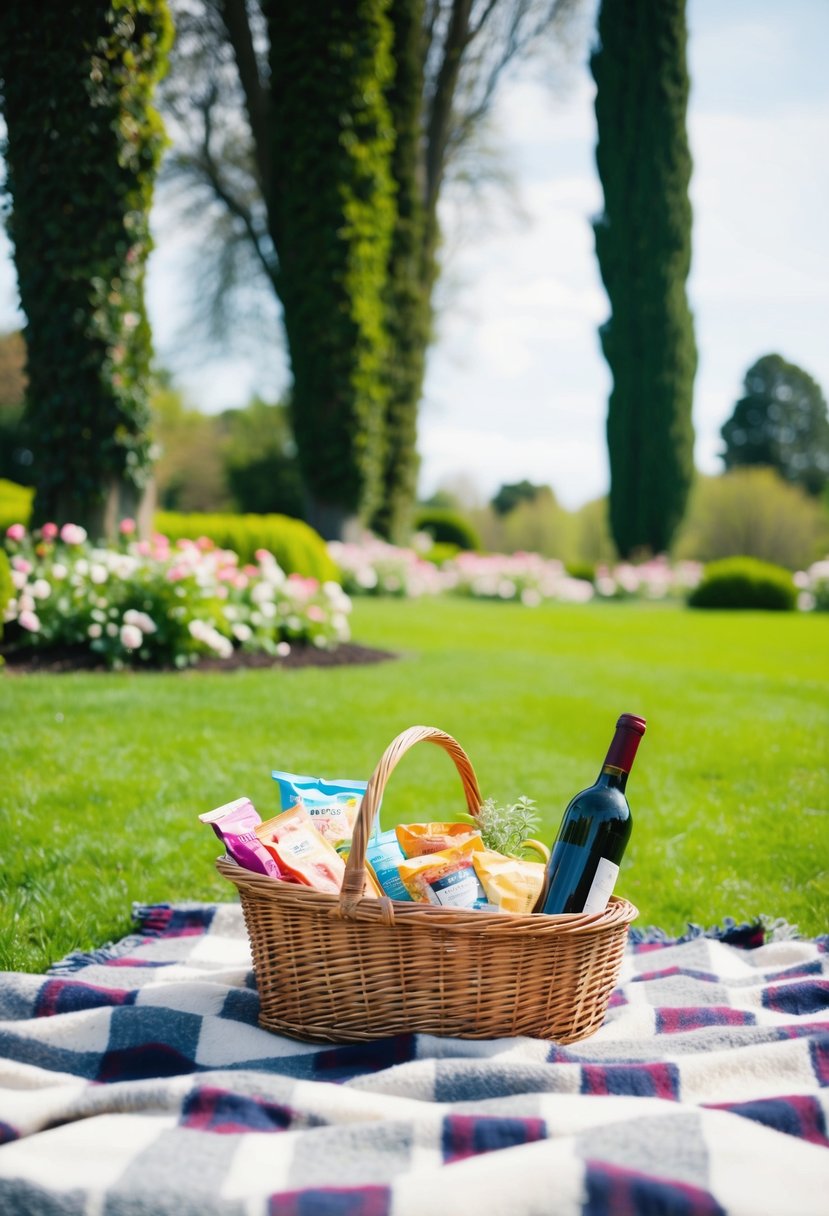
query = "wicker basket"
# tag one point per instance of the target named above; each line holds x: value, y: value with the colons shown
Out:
x: 345, y: 968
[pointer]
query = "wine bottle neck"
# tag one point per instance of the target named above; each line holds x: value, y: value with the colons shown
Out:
x: 623, y: 746
x: 612, y: 777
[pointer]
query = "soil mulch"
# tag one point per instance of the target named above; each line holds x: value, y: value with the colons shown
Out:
x: 63, y: 659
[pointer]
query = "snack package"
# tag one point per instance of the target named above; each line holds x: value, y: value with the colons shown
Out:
x: 447, y: 878
x: 235, y: 824
x: 332, y: 805
x: 383, y: 858
x: 417, y: 839
x: 512, y: 884
x: 301, y: 852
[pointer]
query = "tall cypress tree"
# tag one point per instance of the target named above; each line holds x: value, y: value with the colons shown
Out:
x: 82, y: 150
x: 643, y: 243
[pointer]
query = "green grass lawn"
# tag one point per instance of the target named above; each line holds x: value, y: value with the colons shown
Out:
x: 103, y: 776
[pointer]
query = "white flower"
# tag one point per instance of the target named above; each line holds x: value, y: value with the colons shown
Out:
x: 41, y: 589
x: 94, y: 631
x: 283, y: 649
x: 59, y: 571
x: 98, y: 573
x: 29, y: 620
x: 18, y: 579
x: 112, y: 630
x: 530, y: 597
x: 262, y: 593
x: 140, y: 619
x: 131, y: 637
x: 242, y: 632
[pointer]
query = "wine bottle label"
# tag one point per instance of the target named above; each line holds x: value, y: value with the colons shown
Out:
x: 602, y: 886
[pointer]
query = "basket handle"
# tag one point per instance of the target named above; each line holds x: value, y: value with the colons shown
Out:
x: 355, y: 869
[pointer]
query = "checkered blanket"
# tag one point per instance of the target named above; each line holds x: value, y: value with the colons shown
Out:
x: 135, y: 1080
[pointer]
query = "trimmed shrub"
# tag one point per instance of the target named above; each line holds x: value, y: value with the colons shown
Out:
x: 297, y: 547
x: 745, y: 582
x: 586, y: 571
x: 15, y: 504
x: 447, y: 527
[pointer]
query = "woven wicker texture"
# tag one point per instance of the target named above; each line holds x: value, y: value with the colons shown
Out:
x: 346, y: 968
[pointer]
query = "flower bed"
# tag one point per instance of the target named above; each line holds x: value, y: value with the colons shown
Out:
x: 373, y: 567
x: 154, y: 603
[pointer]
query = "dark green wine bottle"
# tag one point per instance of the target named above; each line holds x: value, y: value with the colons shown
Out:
x: 594, y: 831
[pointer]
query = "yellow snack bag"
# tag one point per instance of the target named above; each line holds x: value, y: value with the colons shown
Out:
x: 512, y: 884
x: 416, y: 839
x: 446, y: 878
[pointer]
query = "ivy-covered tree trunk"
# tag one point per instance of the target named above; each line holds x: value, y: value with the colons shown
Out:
x: 82, y: 151
x: 331, y: 213
x: 409, y: 289
x: 643, y: 242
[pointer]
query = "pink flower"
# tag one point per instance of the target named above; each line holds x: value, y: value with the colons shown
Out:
x: 49, y: 531
x: 73, y: 534
x: 126, y: 527
x: 29, y: 620
x: 15, y: 531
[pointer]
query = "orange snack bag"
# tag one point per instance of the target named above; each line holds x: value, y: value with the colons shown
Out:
x: 512, y: 884
x: 416, y: 839
x: 301, y: 852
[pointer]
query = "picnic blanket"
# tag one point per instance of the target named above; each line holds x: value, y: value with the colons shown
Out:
x: 135, y: 1080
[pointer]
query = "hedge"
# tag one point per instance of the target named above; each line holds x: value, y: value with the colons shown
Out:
x: 295, y: 545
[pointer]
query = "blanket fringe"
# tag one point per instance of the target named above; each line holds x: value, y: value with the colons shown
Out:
x: 748, y: 935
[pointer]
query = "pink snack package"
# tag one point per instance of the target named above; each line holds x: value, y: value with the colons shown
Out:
x: 234, y: 824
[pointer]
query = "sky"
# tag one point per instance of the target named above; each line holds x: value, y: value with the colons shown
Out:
x: 516, y: 384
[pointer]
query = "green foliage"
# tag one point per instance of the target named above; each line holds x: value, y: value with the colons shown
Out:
x: 745, y: 582
x: 509, y: 497
x: 331, y: 131
x: 15, y: 504
x: 6, y: 586
x: 782, y: 422
x: 296, y: 547
x: 82, y: 150
x: 505, y: 828
x: 189, y: 471
x: 260, y: 460
x: 643, y: 243
x: 593, y: 542
x: 753, y: 512
x: 446, y: 527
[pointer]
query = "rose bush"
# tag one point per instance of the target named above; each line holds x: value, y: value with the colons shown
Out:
x: 153, y: 603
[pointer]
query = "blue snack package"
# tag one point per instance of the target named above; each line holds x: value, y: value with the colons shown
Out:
x: 329, y: 803
x: 384, y: 855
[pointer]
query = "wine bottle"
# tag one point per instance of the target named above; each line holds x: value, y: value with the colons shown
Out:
x: 594, y: 831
